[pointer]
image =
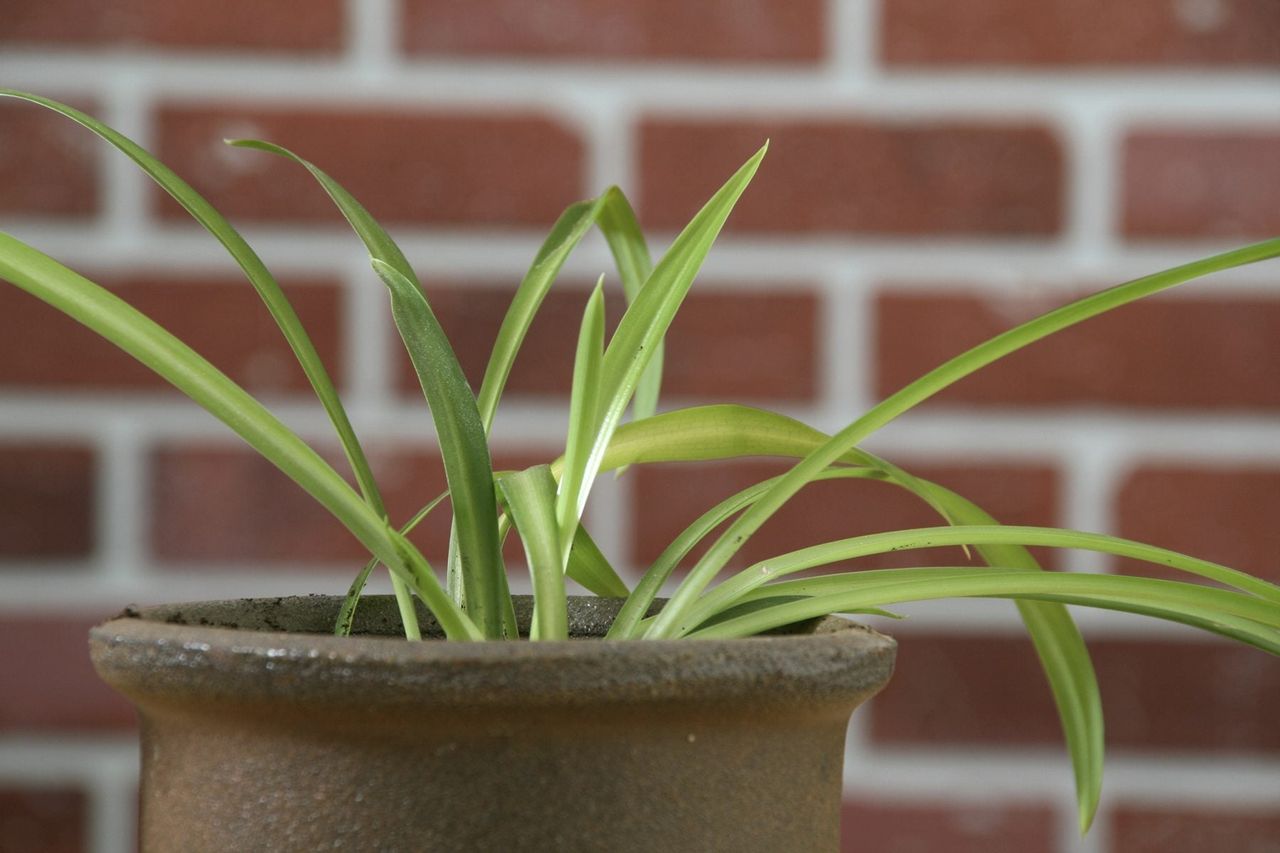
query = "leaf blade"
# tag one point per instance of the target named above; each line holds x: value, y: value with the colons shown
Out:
x: 139, y: 336
x: 921, y: 389
x: 646, y: 320
x: 584, y: 406
x: 463, y: 448
x: 866, y: 589
x: 621, y: 228
x: 268, y: 290
x: 589, y: 567
x: 531, y: 498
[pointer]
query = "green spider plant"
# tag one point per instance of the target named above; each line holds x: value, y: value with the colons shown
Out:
x: 544, y: 504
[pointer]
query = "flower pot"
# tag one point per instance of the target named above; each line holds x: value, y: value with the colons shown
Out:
x: 261, y: 733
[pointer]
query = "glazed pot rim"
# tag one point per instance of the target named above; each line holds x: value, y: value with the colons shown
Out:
x: 150, y: 650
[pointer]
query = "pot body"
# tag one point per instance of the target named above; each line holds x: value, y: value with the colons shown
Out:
x: 261, y: 733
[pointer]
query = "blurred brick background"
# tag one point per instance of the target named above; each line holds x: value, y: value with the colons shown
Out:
x: 939, y: 171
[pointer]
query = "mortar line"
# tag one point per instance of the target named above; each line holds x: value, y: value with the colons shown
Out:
x: 853, y: 53
x: 120, y: 499
x: 371, y: 53
x: 125, y: 187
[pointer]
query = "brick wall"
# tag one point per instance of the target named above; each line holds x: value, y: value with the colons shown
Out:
x: 939, y: 171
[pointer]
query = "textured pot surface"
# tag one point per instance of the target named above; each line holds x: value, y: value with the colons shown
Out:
x: 261, y: 733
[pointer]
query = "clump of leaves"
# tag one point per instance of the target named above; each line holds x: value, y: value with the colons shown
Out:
x: 544, y: 504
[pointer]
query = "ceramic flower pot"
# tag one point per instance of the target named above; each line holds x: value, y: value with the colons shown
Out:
x: 261, y: 733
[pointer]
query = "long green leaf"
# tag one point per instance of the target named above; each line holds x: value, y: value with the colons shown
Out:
x: 1062, y: 652
x: 468, y: 469
x: 462, y: 445
x: 1260, y: 620
x: 826, y: 553
x: 374, y: 236
x: 565, y: 236
x: 380, y: 247
x: 931, y: 383
x: 121, y: 324
x: 614, y: 216
x: 272, y: 296
x: 589, y: 567
x: 584, y: 408
x: 621, y: 229
x: 612, y: 213
x: 706, y: 433
x: 1055, y: 636
x: 718, y: 432
x: 1218, y: 620
x: 347, y: 612
x: 255, y: 270
x: 647, y: 318
x: 531, y: 498
x: 587, y: 564
x: 628, y: 620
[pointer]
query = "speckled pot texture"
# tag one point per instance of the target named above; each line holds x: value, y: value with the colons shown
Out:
x: 261, y: 733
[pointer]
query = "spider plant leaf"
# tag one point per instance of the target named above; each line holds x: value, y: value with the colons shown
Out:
x: 1062, y: 653
x: 617, y: 221
x: 373, y: 235
x: 1054, y: 633
x: 1242, y: 614
x: 565, y: 236
x: 444, y: 385
x: 589, y: 567
x: 382, y: 248
x: 139, y: 336
x: 763, y: 600
x: 612, y: 213
x: 256, y: 271
x: 628, y: 621
x: 463, y: 448
x: 730, y: 431
x: 587, y: 564
x: 531, y: 498
x: 703, y: 433
x: 347, y: 613
x: 647, y: 318
x: 926, y: 386
x: 272, y: 296
x: 707, y: 433
x: 584, y: 408
x: 1214, y: 620
x: 757, y: 575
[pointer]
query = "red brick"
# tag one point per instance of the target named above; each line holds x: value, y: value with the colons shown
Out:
x: 49, y: 165
x: 227, y: 504
x: 1226, y: 514
x: 666, y: 498
x: 763, y: 341
x: 46, y: 502
x: 438, y: 168
x: 1156, y: 695
x: 43, y: 820
x: 1075, y: 33
x: 1202, y: 184
x: 222, y: 319
x: 293, y: 25
x: 893, y: 827
x: 51, y: 686
x: 1182, y: 829
x: 613, y: 30
x: 1190, y: 354
x: 836, y: 177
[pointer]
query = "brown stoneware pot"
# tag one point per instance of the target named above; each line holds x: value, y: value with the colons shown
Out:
x: 260, y: 733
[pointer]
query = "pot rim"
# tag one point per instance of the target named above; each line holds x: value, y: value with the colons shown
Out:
x: 151, y: 652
